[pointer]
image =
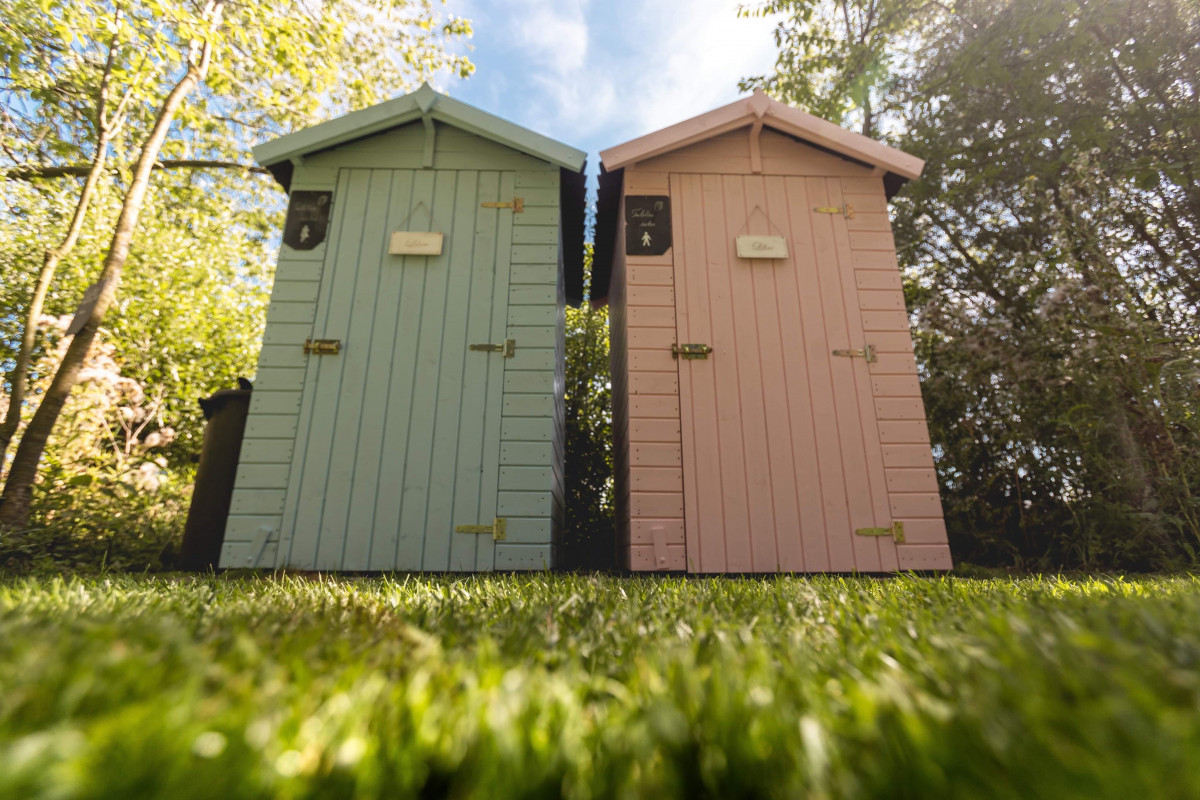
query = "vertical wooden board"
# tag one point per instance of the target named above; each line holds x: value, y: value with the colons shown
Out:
x: 373, y: 418
x: 727, y: 435
x: 785, y: 551
x: 362, y: 285
x: 803, y: 548
x: 418, y: 490
x: 454, y: 362
x: 291, y: 336
x: 703, y: 501
x: 838, y: 550
x: 687, y: 222
x: 746, y: 352
x: 485, y: 546
x: 472, y: 462
x: 845, y: 411
x: 389, y: 544
x: 333, y: 322
x: 873, y: 486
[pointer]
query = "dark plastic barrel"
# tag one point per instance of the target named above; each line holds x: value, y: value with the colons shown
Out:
x: 205, y: 530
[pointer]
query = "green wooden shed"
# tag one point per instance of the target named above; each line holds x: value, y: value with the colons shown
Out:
x: 408, y: 407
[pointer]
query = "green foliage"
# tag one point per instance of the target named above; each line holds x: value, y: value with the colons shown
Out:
x: 194, y: 297
x: 277, y: 66
x: 593, y: 687
x: 190, y: 312
x: 1051, y: 255
x: 1053, y: 264
x: 588, y: 457
x: 839, y: 60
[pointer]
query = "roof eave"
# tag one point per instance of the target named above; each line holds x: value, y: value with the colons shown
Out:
x: 409, y: 108
x: 772, y: 114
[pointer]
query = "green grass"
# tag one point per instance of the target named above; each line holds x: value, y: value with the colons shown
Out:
x: 541, y: 686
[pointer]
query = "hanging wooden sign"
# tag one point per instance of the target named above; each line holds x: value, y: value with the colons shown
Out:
x: 647, y: 225
x: 415, y: 243
x: 307, y: 219
x: 762, y: 247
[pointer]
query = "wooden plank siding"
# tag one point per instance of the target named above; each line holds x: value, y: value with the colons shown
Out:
x: 769, y: 454
x: 251, y: 539
x: 369, y: 459
x: 651, y: 483
x: 894, y: 387
x: 531, y: 436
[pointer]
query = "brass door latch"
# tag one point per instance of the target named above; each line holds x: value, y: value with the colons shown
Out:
x: 509, y: 348
x: 690, y: 350
x: 896, y: 531
x: 517, y: 204
x: 322, y: 347
x: 497, y: 529
x: 868, y: 353
x: 846, y: 211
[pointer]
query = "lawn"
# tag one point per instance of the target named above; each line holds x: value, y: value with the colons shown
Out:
x: 546, y: 686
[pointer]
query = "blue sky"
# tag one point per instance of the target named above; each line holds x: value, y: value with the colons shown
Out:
x: 596, y: 73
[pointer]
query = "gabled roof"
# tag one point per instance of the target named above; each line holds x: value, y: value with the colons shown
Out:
x: 424, y: 103
x: 759, y: 108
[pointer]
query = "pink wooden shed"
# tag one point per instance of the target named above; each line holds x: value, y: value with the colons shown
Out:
x: 766, y: 406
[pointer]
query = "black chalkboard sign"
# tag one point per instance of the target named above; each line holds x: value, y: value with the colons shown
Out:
x: 307, y: 219
x: 647, y: 225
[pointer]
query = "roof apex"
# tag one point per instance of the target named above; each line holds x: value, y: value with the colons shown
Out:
x: 425, y: 102
x: 759, y: 107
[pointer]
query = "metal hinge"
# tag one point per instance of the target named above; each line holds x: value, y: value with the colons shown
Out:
x: 322, y: 347
x: 517, y: 204
x: 690, y: 350
x: 509, y: 348
x: 497, y: 529
x: 896, y: 531
x: 846, y: 211
x: 868, y: 352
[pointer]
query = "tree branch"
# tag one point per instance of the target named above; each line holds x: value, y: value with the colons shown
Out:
x: 29, y: 172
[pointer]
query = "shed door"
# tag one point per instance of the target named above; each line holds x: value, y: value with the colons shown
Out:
x: 781, y: 450
x: 400, y: 435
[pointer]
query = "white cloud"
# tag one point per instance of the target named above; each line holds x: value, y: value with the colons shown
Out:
x: 552, y: 33
x: 599, y: 72
x: 699, y: 52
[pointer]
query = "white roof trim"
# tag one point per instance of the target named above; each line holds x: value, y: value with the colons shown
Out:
x: 409, y: 108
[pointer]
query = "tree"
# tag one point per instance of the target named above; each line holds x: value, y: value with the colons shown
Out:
x: 588, y: 452
x: 838, y: 59
x: 1051, y: 258
x: 1054, y: 263
x: 260, y: 68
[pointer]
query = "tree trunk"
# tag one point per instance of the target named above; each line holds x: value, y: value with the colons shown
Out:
x: 19, y: 375
x: 106, y: 128
x: 18, y: 490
